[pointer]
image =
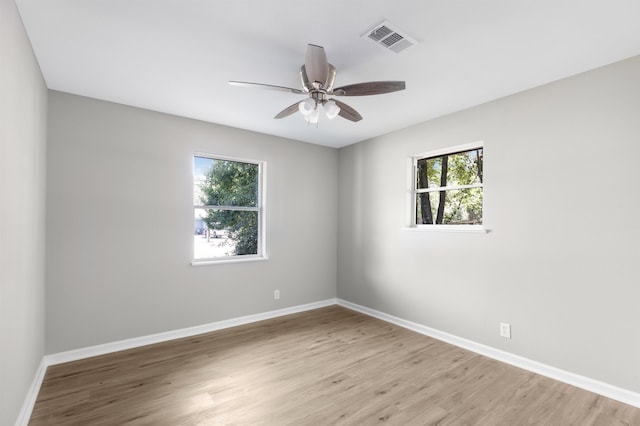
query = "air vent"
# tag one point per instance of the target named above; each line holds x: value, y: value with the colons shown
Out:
x: 386, y: 35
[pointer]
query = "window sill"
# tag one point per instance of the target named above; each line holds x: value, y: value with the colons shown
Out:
x: 474, y: 229
x: 232, y: 260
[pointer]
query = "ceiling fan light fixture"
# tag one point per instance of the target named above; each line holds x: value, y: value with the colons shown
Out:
x: 331, y: 109
x: 314, y: 116
x: 307, y: 107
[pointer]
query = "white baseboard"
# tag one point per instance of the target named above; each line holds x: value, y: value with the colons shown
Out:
x: 136, y: 342
x: 586, y: 383
x: 601, y: 388
x: 82, y: 353
x: 32, y: 395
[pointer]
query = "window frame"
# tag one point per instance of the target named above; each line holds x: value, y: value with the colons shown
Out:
x: 260, y: 209
x: 414, y: 190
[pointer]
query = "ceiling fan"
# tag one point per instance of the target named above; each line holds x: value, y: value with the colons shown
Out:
x: 318, y: 77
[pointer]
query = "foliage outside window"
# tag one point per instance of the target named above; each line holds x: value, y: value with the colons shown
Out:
x: 449, y: 187
x: 228, y: 210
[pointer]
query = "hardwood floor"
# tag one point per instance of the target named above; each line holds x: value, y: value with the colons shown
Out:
x: 323, y: 367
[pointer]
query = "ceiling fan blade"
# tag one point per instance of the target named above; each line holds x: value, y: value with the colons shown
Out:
x: 305, y: 80
x: 267, y: 86
x: 328, y: 84
x: 331, y: 78
x: 369, y: 88
x: 288, y: 111
x: 347, y: 112
x: 316, y: 65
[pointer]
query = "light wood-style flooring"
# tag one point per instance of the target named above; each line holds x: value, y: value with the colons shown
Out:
x: 323, y: 367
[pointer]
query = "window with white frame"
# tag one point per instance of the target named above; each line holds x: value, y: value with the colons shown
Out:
x: 448, y: 187
x: 228, y: 209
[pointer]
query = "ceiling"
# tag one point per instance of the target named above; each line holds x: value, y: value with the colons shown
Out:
x: 177, y: 56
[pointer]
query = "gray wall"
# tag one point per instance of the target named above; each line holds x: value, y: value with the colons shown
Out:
x: 120, y: 224
x: 23, y: 103
x: 561, y: 261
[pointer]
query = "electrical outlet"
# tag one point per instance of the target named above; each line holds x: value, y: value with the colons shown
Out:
x: 276, y: 294
x: 505, y: 330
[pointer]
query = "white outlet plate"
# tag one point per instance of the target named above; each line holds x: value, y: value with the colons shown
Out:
x: 276, y: 294
x: 505, y: 330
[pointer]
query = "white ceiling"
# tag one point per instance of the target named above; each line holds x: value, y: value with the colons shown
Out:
x: 176, y: 56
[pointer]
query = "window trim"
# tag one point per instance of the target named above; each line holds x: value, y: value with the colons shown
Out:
x: 413, y: 191
x: 260, y: 209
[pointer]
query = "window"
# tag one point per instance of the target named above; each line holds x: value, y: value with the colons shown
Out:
x: 228, y: 209
x: 448, y: 187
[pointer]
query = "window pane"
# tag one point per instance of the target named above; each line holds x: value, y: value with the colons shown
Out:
x: 225, y: 233
x: 429, y: 172
x: 201, y: 167
x: 424, y: 210
x: 225, y: 183
x: 463, y: 168
x: 459, y: 207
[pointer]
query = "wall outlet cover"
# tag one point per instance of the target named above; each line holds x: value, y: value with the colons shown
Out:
x: 505, y: 330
